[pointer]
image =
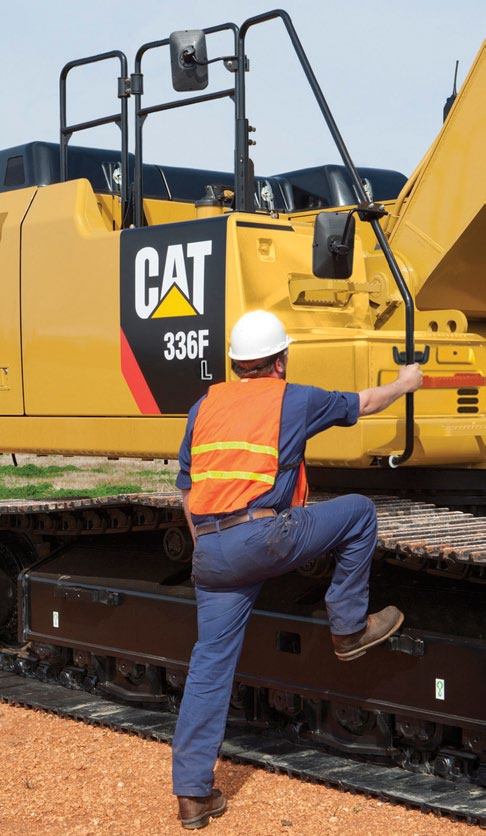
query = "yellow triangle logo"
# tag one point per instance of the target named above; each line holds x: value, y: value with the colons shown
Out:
x: 174, y: 304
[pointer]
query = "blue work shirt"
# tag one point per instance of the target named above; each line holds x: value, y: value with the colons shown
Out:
x: 306, y: 411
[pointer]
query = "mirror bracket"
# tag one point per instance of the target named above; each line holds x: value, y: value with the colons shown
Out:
x: 370, y: 211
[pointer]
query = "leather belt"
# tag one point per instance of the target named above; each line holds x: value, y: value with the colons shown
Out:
x: 229, y: 522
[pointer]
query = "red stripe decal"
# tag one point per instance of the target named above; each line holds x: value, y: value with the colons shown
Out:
x: 135, y: 379
x: 454, y: 381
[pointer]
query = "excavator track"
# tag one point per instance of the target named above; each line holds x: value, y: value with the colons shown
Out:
x: 430, y: 794
x: 423, y: 530
x: 419, y: 535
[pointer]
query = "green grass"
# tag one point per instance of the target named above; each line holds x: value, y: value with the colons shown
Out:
x: 33, y: 470
x: 44, y: 490
x: 52, y: 481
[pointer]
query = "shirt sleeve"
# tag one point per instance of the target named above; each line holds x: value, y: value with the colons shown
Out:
x: 183, y: 480
x: 330, y: 409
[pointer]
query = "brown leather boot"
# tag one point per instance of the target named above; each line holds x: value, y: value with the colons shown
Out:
x: 195, y: 811
x: 381, y: 625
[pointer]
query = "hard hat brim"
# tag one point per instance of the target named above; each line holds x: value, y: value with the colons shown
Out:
x: 259, y: 355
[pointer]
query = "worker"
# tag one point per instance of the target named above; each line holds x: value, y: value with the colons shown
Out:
x: 243, y: 488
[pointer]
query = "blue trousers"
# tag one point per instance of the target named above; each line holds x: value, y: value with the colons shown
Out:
x: 230, y: 567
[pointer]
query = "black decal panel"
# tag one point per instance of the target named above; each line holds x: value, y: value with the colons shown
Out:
x: 172, y: 300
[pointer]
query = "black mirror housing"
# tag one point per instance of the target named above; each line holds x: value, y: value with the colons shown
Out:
x: 188, y: 58
x: 333, y: 246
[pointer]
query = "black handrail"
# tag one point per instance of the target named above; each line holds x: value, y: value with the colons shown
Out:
x: 142, y: 113
x: 394, y: 461
x: 120, y: 119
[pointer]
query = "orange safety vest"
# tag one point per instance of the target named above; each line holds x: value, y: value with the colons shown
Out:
x: 234, y: 451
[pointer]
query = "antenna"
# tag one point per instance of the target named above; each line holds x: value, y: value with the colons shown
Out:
x: 451, y: 99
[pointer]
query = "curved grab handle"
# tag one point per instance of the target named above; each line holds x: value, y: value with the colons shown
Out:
x: 400, y: 357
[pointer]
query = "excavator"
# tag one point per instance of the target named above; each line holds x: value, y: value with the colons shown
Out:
x: 121, y: 282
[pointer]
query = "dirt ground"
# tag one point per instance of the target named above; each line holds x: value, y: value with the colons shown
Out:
x: 64, y: 778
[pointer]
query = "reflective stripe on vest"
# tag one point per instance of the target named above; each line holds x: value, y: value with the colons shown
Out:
x: 234, y: 453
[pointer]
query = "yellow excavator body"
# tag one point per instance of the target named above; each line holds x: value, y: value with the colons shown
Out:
x: 109, y: 334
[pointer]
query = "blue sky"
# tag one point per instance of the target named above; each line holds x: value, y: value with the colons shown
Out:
x: 385, y: 68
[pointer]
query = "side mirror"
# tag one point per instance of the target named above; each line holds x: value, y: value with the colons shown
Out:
x: 188, y: 58
x: 333, y: 246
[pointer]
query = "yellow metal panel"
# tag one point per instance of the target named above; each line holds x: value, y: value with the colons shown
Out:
x: 336, y: 347
x: 267, y: 259
x: 70, y: 307
x: 462, y: 354
x: 140, y: 437
x: 440, y: 230
x: 167, y: 211
x: 110, y: 210
x: 450, y: 442
x: 13, y: 207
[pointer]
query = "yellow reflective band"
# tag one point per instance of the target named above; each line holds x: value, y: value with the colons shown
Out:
x: 233, y: 474
x: 235, y: 445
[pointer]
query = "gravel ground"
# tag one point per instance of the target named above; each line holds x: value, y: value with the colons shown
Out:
x: 62, y: 778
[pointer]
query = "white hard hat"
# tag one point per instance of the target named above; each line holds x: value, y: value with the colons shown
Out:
x: 257, y: 334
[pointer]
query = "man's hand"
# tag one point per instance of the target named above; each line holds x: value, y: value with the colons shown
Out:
x: 185, y: 505
x: 410, y: 377
x: 377, y: 399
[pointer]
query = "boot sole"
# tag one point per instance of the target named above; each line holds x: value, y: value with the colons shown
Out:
x: 360, y: 651
x: 197, y: 822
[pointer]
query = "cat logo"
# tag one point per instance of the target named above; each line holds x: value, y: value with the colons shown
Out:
x: 172, y: 312
x: 169, y: 295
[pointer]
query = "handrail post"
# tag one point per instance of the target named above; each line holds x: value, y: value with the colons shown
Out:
x: 121, y: 119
